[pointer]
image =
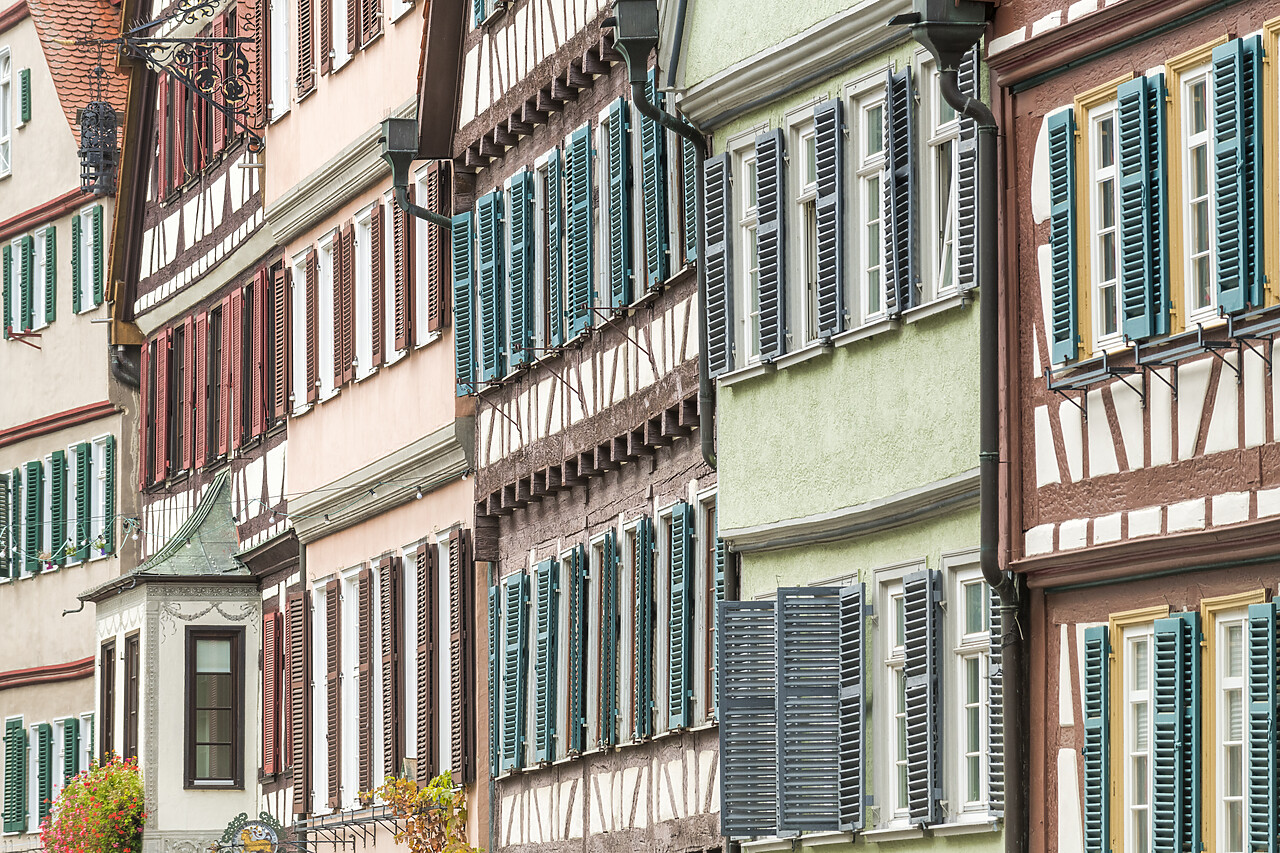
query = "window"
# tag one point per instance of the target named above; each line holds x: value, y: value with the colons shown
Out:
x: 349, y: 734
x: 1230, y: 765
x: 46, y: 511
x: 972, y: 653
x: 421, y: 272
x: 364, y: 295
x: 325, y: 318
x: 87, y: 243
x: 214, y: 382
x: 133, y: 696
x: 1105, y: 259
x: 1136, y: 727
x: 42, y: 310
x: 941, y: 186
x: 1197, y: 132
x: 298, y: 307
x: 390, y: 212
x: 711, y: 591
x: 107, y: 701
x: 749, y: 288
x: 805, y: 169
x: 895, y: 739
x: 280, y: 71
x: 341, y: 26
x: 321, y: 696
x: 6, y: 112
x: 549, y: 294
x: 869, y: 240
x: 483, y: 10
x: 215, y: 710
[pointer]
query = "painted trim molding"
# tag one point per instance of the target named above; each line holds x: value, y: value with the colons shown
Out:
x: 824, y: 49
x: 908, y: 507
x: 41, y: 213
x: 50, y: 674
x: 53, y: 423
x: 354, y: 169
x: 15, y: 13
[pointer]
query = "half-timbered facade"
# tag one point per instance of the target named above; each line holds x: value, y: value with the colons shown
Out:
x: 574, y: 308
x: 1139, y: 257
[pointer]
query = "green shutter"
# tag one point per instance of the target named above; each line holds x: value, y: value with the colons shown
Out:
x: 26, y: 263
x: 24, y: 95
x: 515, y: 659
x: 464, y: 323
x: 15, y: 776
x: 679, y: 618
x: 642, y: 560
x: 578, y: 236
x: 555, y: 248
x: 70, y: 749
x: 522, y: 269
x: 1237, y: 164
x: 1260, y: 730
x: 609, y: 636
x: 32, y: 523
x: 109, y: 501
x: 1096, y: 740
x: 489, y: 251
x: 58, y: 512
x: 5, y: 532
x: 619, y: 203
x: 16, y: 543
x: 578, y: 592
x: 50, y: 274
x: 97, y: 255
x: 1175, y: 740
x: 84, y: 501
x: 76, y: 225
x: 6, y: 258
x: 477, y: 12
x: 1143, y: 203
x: 44, y: 765
x: 495, y: 735
x: 653, y: 178
x: 547, y: 625
x: 1063, y: 321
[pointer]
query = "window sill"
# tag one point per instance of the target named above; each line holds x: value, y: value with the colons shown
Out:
x: 959, y: 299
x: 742, y: 374
x: 276, y: 116
x: 870, y: 330
x: 967, y: 825
x: 769, y: 845
x: 432, y: 337
x: 893, y: 833
x: 810, y: 350
x: 826, y: 839
x: 404, y: 10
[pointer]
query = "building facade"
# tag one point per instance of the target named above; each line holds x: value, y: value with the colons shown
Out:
x: 1139, y: 259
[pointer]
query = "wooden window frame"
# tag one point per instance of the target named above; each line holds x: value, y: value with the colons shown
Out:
x: 107, y: 701
x: 237, y: 637
x: 132, y: 692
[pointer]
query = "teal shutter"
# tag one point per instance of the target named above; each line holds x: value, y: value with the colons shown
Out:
x: 1143, y: 206
x: 578, y: 236
x: 547, y: 624
x: 522, y: 309
x: 679, y: 618
x: 653, y: 179
x: 495, y: 716
x: 97, y: 255
x: 1096, y: 757
x: 1063, y: 321
x: 477, y: 12
x: 16, y: 510
x: 689, y: 179
x: 578, y: 593
x: 5, y: 532
x: 26, y: 250
x: 109, y: 501
x: 921, y: 669
x: 555, y: 248
x: 609, y: 636
x: 492, y: 303
x: 1175, y: 741
x: 33, y: 527
x: 464, y: 323
x: 748, y: 719
x: 1237, y: 150
x: 515, y: 659
x: 76, y: 272
x: 44, y: 764
x: 58, y: 512
x: 1260, y: 690
x: 24, y: 95
x: 645, y: 615
x: 50, y: 274
x: 84, y: 503
x: 15, y: 776
x: 6, y: 275
x: 70, y: 749
x: 620, y: 266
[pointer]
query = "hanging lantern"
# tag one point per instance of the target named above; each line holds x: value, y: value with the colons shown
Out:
x: 98, y: 154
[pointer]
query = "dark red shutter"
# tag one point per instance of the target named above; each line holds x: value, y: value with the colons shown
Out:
x: 271, y: 663
x: 307, y: 48
x: 224, y: 370
x: 324, y: 26
x: 353, y: 25
x: 218, y: 133
x: 428, y: 665
x: 299, y: 707
x: 312, y: 295
x: 177, y: 169
x: 439, y: 275
x: 144, y: 423
x: 391, y: 630
x: 258, y: 356
x: 251, y: 21
x: 164, y: 402
x: 402, y: 254
x: 281, y: 343
x: 187, y: 410
x: 200, y: 390
x: 236, y: 362
x: 461, y: 656
x: 366, y: 678
x: 377, y: 278
x: 333, y: 684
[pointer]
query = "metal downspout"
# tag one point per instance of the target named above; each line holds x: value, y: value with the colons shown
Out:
x: 1005, y: 584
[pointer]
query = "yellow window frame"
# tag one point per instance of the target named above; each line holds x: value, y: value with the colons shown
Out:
x: 1118, y: 624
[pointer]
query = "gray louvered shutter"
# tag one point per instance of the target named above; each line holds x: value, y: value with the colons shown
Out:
x: 771, y: 242
x: 610, y: 622
x: 1237, y: 164
x: 809, y: 670
x: 644, y: 627
x: 689, y: 198
x: 653, y: 168
x: 718, y: 227
x: 995, y: 715
x: 853, y: 703
x: 579, y: 590
x: 922, y: 618
x: 680, y: 619
x: 901, y: 252
x: 1063, y: 320
x: 579, y: 267
x: 828, y: 141
x: 970, y: 81
x: 555, y: 248
x: 495, y: 685
x: 1143, y: 207
x: 464, y: 315
x: 748, y: 719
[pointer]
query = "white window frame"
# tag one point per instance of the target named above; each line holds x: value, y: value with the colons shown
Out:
x: 626, y: 656
x: 39, y: 293
x: 397, y: 9
x: 421, y: 283
x: 324, y: 316
x: 1224, y: 621
x: 444, y: 601
x: 6, y: 112
x: 390, y: 211
x: 338, y: 52
x: 281, y: 70
x: 319, y: 707
x: 803, y: 235
x: 46, y: 509
x: 33, y: 778
x: 1136, y: 814
x: 409, y: 676
x: 298, y: 311
x: 560, y: 748
x: 87, y: 742
x: 89, y: 258
x: 662, y: 619
x: 98, y: 490
x: 600, y: 214
x: 868, y: 178
x: 746, y: 290
x: 968, y: 648
x: 1098, y: 177
x: 942, y: 143
x: 593, y: 665
x: 704, y: 582
x: 349, y: 601
x: 507, y: 362
x: 541, y: 262
x: 363, y: 248
x: 73, y: 522
x: 1202, y: 76
x: 891, y: 757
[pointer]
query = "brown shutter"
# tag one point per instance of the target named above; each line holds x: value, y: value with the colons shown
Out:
x: 366, y: 678
x: 271, y: 693
x: 281, y: 343
x: 461, y: 656
x: 339, y: 308
x: 235, y: 368
x: 439, y: 276
x: 392, y: 671
x: 163, y: 403
x: 218, y: 133
x: 370, y: 20
x: 144, y: 422
x: 258, y: 357
x: 353, y: 25
x: 162, y: 137
x: 325, y: 25
x: 251, y: 21
x: 300, y: 699
x: 333, y: 684
x: 403, y: 228
x: 377, y: 276
x: 428, y: 665
x: 188, y: 393
x: 312, y: 285
x: 178, y: 141
x: 224, y: 379
x: 306, y: 45
x: 348, y: 302
x: 200, y: 391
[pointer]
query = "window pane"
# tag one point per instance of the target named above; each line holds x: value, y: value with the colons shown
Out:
x: 1235, y: 651
x: 1140, y: 665
x: 1140, y: 733
x: 213, y: 762
x: 213, y: 691
x: 899, y: 628
x: 810, y: 160
x: 213, y: 656
x: 975, y: 608
x: 1234, y: 772
x: 1235, y: 716
x: 1198, y: 107
x: 875, y: 129
x: 973, y: 682
x: 1106, y: 143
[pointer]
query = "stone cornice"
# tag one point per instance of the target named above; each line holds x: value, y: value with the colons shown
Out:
x: 354, y: 169
x: 824, y: 49
x: 907, y: 507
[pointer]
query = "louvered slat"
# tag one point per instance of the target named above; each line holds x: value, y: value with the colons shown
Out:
x: 901, y: 216
x: 969, y: 79
x: 679, y: 618
x: 366, y: 710
x: 312, y: 296
x: 44, y: 771
x: 390, y: 633
x: 333, y: 685
x: 489, y: 265
x: 619, y: 203
x: 1063, y: 321
x: 547, y: 621
x: 995, y: 714
x: 463, y: 301
x: 270, y: 693
x: 653, y: 174
x: 921, y: 599
x: 495, y: 713
x: 461, y: 662
x: 1237, y: 163
x: 1260, y: 688
x: 555, y: 248
x: 427, y: 675
x: 609, y: 630
x: 718, y: 225
x: 281, y: 345
x: 828, y: 141
x: 70, y: 749
x: 439, y: 185
x: 577, y: 578
x: 299, y: 711
x: 852, y: 748
x: 402, y: 230
x: 771, y: 242
x: 748, y: 719
x: 1096, y: 759
x: 377, y: 282
x: 645, y: 616
x: 578, y: 233
x: 5, y: 530
x: 522, y: 268
x: 58, y: 508
x: 515, y: 682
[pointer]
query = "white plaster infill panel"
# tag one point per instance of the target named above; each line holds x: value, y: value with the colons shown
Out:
x: 1128, y: 406
x: 1038, y: 540
x: 1231, y: 508
x: 1268, y: 502
x: 1073, y: 534
x: 1066, y: 708
x: 1224, y: 423
x: 1186, y: 515
x: 1145, y: 522
x: 1102, y: 447
x: 1160, y: 405
x: 1070, y: 822
x: 1046, y: 456
x: 1193, y: 384
x: 1106, y: 528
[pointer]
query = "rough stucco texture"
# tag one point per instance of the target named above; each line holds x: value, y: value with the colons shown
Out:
x: 722, y: 23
